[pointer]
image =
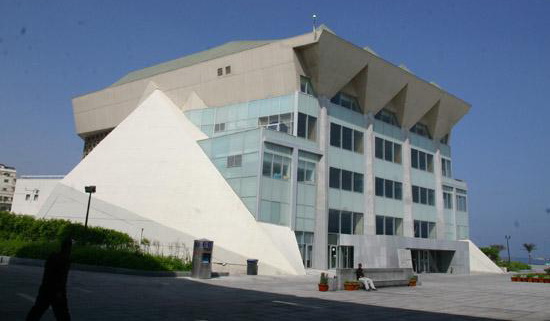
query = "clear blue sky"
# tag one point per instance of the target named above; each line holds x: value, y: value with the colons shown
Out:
x: 493, y: 54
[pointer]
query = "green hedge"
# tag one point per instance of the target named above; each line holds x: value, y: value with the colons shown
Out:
x: 514, y: 265
x: 27, y: 228
x: 95, y: 255
x: 26, y: 237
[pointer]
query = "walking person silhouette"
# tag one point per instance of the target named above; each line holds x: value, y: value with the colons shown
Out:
x: 53, y: 290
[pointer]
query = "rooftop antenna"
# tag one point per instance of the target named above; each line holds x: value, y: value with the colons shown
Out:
x: 314, y: 17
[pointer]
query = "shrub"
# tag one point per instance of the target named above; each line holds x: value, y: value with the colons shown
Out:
x: 27, y: 228
x: 28, y: 237
x: 515, y: 266
x: 95, y: 255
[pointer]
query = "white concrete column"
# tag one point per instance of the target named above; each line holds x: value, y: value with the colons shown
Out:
x: 408, y: 224
x: 370, y: 214
x: 293, y: 188
x: 439, y: 206
x: 320, y: 240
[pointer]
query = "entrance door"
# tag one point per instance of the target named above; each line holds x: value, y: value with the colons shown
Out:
x: 431, y: 261
x: 340, y: 256
x: 332, y: 257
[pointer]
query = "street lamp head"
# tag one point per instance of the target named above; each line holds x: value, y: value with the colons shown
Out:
x: 89, y: 189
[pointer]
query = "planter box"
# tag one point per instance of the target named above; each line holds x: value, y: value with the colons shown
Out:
x: 515, y: 279
x: 323, y: 287
x: 351, y: 286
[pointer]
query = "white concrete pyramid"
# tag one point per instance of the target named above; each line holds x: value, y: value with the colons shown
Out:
x: 151, y: 173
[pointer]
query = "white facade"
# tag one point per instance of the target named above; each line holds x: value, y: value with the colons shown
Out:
x: 31, y: 192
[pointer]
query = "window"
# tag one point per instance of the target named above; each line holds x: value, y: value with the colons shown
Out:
x: 461, y: 203
x: 422, y: 195
x: 387, y: 150
x: 334, y: 178
x: 234, y: 161
x: 422, y: 161
x: 445, y: 139
x: 422, y: 130
x: 388, y: 188
x: 220, y: 127
x: 35, y: 197
x: 346, y: 138
x: 345, y: 180
x: 220, y: 71
x: 387, y: 117
x: 335, y: 135
x: 448, y: 200
x: 358, y: 182
x: 333, y: 221
x: 227, y: 70
x: 282, y: 123
x: 446, y: 168
x: 27, y: 197
x: 424, y: 229
x: 307, y: 126
x: 346, y: 101
x: 358, y: 141
x: 6, y: 180
x: 345, y: 222
x: 305, y: 86
x: 387, y: 225
x: 306, y: 171
x: 276, y: 166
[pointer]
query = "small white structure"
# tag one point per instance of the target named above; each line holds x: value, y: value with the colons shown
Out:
x: 479, y: 262
x: 31, y: 191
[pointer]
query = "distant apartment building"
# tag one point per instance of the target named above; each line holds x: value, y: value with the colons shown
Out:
x: 305, y: 152
x: 8, y: 179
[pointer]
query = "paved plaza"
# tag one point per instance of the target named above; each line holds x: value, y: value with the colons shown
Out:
x: 103, y: 296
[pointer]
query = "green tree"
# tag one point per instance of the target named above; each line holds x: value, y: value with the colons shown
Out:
x: 491, y: 252
x: 498, y: 247
x: 529, y: 247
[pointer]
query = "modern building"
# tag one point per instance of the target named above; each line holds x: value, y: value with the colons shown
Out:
x: 302, y: 152
x: 31, y: 191
x: 8, y: 179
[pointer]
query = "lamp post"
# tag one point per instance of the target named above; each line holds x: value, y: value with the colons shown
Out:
x: 90, y: 190
x: 508, y: 237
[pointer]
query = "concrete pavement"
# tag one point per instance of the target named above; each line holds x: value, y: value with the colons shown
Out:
x: 101, y: 296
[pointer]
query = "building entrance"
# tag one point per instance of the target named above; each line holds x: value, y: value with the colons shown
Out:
x: 305, y: 245
x: 340, y: 256
x: 431, y: 261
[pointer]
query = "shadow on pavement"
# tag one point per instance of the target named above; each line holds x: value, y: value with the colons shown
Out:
x: 99, y: 296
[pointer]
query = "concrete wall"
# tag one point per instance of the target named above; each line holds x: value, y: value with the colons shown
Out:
x: 31, y: 192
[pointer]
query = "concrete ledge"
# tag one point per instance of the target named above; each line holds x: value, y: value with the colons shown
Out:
x: 8, y: 260
x: 380, y: 277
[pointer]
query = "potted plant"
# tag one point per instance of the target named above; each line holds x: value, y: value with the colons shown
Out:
x: 412, y: 280
x: 323, y: 282
x: 351, y: 285
x: 523, y: 278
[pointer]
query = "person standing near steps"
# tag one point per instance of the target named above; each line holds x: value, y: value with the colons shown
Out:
x: 369, y: 285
